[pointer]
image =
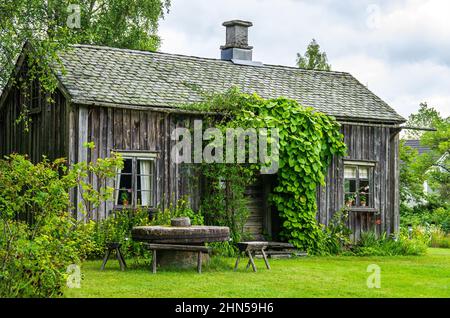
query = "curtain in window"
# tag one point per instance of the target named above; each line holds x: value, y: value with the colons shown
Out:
x: 349, y: 172
x: 117, y: 186
x: 145, y: 167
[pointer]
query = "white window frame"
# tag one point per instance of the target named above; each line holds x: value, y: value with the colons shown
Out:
x: 137, y: 157
x: 361, y: 164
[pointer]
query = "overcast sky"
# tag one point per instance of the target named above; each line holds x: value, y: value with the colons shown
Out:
x: 399, y: 48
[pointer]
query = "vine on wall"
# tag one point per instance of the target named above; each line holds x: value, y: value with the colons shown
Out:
x: 307, y: 142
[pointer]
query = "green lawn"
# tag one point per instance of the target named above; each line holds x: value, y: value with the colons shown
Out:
x: 401, y: 276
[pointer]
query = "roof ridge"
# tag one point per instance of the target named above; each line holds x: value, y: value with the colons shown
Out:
x: 143, y: 52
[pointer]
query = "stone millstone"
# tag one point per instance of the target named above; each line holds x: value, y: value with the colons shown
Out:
x: 181, y: 222
x: 180, y: 235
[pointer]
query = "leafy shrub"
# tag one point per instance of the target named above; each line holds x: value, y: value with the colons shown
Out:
x: 440, y: 239
x: 432, y: 212
x: 116, y: 228
x: 336, y: 237
x: 441, y: 217
x: 34, y: 264
x: 38, y: 237
x: 432, y: 235
x: 181, y: 209
x: 371, y: 245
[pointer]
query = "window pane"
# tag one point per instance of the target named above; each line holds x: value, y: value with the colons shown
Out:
x: 124, y: 184
x: 350, y: 172
x: 364, y: 172
x: 349, y: 185
x: 364, y: 186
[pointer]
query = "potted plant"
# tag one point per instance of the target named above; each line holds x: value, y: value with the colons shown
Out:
x: 350, y: 200
x: 124, y: 198
x: 363, y: 200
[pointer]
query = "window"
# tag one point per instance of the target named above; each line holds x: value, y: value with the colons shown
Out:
x: 358, y: 184
x: 35, y: 97
x: 135, y: 183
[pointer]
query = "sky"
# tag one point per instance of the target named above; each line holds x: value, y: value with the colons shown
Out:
x: 400, y: 49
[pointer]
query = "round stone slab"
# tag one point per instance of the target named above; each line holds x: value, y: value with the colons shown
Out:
x: 181, y: 235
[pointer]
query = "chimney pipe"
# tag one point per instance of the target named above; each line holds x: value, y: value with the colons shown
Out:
x: 236, y: 46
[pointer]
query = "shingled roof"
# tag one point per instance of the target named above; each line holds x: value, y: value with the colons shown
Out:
x: 103, y: 75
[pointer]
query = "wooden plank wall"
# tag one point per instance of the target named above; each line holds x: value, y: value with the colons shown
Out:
x: 46, y: 134
x: 116, y: 129
x: 365, y: 143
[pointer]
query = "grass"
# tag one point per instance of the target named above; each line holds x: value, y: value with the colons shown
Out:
x: 337, y: 276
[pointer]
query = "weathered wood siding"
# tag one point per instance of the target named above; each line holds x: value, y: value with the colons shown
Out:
x: 47, y: 129
x: 370, y: 143
x: 117, y: 129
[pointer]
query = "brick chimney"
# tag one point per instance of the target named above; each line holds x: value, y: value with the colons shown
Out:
x: 236, y: 46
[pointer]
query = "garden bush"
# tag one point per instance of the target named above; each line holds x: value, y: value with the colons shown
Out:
x: 336, y: 236
x: 36, y: 234
x: 427, y: 214
x: 432, y: 235
x: 39, y: 238
x: 116, y: 228
x: 371, y: 245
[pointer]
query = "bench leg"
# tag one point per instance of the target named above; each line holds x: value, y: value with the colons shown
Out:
x: 265, y: 259
x: 154, y: 261
x: 251, y: 261
x: 105, y: 259
x: 237, y: 261
x: 248, y: 263
x: 199, y: 262
x: 120, y: 259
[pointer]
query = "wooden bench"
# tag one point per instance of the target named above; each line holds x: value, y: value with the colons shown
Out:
x: 251, y: 248
x: 173, y: 247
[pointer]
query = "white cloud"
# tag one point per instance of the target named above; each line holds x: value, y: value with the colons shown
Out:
x: 405, y: 59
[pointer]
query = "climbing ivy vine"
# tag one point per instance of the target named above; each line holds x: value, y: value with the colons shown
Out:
x: 307, y: 142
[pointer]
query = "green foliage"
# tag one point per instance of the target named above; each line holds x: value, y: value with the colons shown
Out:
x: 371, y: 245
x: 438, y: 238
x: 102, y: 170
x: 412, y: 176
x: 337, y: 234
x: 313, y: 58
x: 39, y: 239
x: 224, y: 202
x: 426, y: 117
x: 180, y: 209
x: 36, y: 237
x: 48, y: 26
x: 427, y: 214
x: 117, y: 228
x: 417, y: 207
x: 307, y: 139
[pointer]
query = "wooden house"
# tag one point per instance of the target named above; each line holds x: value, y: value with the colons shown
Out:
x: 128, y: 101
